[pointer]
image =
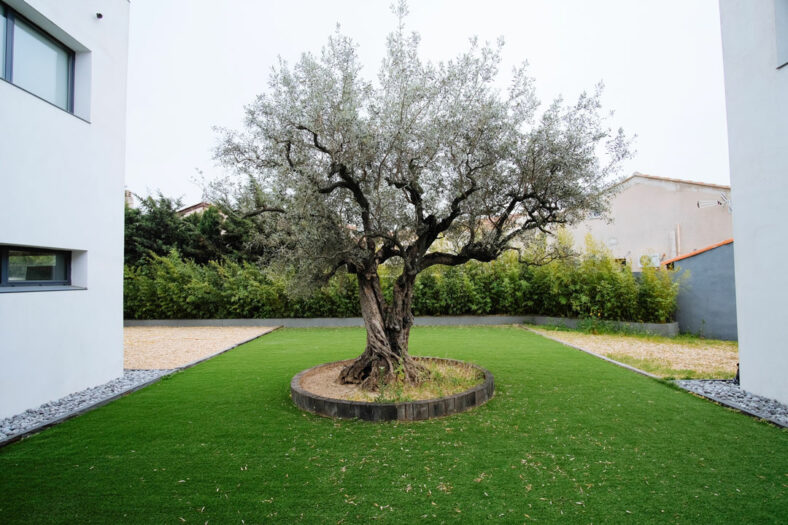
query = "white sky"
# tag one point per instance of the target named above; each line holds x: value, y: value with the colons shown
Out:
x: 194, y: 64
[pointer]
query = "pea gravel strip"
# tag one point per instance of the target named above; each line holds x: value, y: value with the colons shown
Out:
x: 53, y: 412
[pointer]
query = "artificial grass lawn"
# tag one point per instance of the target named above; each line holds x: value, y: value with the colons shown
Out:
x: 567, y: 436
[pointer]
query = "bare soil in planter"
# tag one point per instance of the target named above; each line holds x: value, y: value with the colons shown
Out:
x: 447, y: 378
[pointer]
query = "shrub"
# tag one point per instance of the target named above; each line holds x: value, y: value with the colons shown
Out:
x: 593, y: 286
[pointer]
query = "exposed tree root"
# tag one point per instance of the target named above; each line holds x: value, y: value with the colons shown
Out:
x: 371, y: 370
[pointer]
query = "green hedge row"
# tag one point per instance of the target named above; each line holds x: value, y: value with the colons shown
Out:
x: 594, y: 286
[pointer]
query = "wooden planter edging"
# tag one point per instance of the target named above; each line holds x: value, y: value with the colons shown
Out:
x: 405, y: 411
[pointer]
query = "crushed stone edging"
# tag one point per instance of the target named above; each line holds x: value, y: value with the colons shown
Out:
x: 695, y: 386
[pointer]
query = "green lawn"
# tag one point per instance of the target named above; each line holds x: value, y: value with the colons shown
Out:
x: 567, y: 437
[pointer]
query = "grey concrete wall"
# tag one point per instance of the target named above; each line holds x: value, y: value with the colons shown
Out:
x: 707, y: 298
x: 667, y: 329
x: 663, y: 329
x: 323, y: 322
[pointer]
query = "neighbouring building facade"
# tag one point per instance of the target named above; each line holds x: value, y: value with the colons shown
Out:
x: 755, y: 61
x: 659, y: 218
x: 62, y: 155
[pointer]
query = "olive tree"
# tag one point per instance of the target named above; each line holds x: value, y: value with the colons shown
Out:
x: 430, y: 164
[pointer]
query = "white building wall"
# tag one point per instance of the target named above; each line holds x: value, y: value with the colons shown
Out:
x: 62, y: 187
x: 756, y: 95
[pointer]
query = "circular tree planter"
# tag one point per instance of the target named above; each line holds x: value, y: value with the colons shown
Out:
x: 404, y: 411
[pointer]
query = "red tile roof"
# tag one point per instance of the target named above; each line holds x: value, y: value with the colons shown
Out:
x: 696, y: 252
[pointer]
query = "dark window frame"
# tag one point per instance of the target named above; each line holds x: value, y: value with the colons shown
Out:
x: 5, y: 283
x: 781, y: 32
x: 7, y: 74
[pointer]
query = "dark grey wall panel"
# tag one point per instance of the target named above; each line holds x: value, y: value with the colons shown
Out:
x: 707, y: 299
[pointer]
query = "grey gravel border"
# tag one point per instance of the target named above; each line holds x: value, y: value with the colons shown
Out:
x: 720, y: 391
x: 727, y: 393
x: 35, y: 420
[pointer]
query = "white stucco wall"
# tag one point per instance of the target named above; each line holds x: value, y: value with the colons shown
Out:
x: 756, y: 95
x: 62, y: 187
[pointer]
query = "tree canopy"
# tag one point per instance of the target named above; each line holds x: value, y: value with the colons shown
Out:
x: 361, y: 172
x: 156, y: 227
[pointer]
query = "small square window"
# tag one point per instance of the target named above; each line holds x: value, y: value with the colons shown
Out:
x: 33, y: 266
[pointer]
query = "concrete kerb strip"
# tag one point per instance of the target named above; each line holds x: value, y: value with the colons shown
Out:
x: 332, y: 322
x: 664, y: 329
x: 617, y: 363
x: 727, y: 404
x: 56, y: 421
x: 60, y: 419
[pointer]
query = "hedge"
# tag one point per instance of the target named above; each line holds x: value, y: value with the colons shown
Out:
x: 593, y: 286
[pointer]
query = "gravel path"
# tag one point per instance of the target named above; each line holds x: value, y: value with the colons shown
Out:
x: 65, y: 406
x: 727, y: 393
x: 158, y: 347
x: 709, y: 359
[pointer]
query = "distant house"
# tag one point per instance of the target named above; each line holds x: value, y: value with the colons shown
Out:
x: 194, y: 208
x: 62, y: 158
x: 657, y: 218
x: 707, y: 296
x: 129, y: 198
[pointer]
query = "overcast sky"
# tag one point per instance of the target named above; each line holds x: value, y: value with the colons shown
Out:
x: 194, y: 64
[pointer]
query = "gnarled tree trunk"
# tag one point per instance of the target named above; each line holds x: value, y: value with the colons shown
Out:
x: 385, y: 357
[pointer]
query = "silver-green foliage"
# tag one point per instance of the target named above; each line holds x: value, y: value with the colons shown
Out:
x: 361, y: 172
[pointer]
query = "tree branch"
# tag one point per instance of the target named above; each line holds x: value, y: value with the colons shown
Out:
x: 264, y: 209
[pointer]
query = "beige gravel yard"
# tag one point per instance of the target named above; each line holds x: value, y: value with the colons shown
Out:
x: 157, y: 347
x: 682, y: 358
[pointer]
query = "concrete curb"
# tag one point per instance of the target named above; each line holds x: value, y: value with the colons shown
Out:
x: 331, y: 322
x: 56, y: 421
x: 663, y: 329
x: 589, y: 352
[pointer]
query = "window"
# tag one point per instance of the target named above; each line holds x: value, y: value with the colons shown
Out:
x: 35, y: 61
x: 21, y: 266
x: 3, y: 23
x: 781, y: 30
